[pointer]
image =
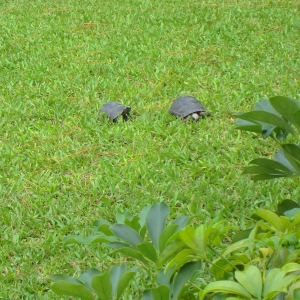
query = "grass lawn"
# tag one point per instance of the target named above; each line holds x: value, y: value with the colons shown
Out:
x: 62, y: 167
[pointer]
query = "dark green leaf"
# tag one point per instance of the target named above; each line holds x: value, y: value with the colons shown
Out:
x: 266, y: 177
x: 186, y: 274
x: 102, y: 286
x: 265, y: 105
x: 161, y: 293
x: 164, y: 277
x: 280, y: 157
x: 143, y: 215
x: 248, y: 126
x: 148, y: 250
x: 134, y: 223
x: 182, y: 222
x: 118, y: 245
x: 124, y: 281
x: 267, y: 163
x: 297, y: 119
x: 286, y: 205
x: 166, y: 234
x: 88, y: 276
x: 70, y: 286
x: 132, y: 253
x: 244, y: 234
x: 156, y: 221
x: 116, y: 273
x: 85, y: 240
x: 292, y: 153
x: 296, y: 294
x: 170, y: 251
x: 266, y: 117
x: 286, y: 107
x: 262, y: 170
x: 98, y: 223
x: 126, y: 234
x: 147, y: 295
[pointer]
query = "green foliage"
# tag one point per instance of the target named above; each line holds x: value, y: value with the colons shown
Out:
x: 251, y: 283
x: 274, y: 117
x: 259, y: 263
x: 108, y: 285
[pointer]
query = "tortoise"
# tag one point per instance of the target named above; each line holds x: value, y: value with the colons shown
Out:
x: 114, y: 109
x: 186, y: 107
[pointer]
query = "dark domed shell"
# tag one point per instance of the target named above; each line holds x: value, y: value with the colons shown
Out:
x: 114, y: 109
x: 186, y: 105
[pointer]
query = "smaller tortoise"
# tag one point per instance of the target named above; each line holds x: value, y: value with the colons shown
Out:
x: 186, y: 107
x: 114, y: 109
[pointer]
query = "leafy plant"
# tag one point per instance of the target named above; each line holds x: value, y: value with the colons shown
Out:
x: 147, y: 239
x: 276, y: 118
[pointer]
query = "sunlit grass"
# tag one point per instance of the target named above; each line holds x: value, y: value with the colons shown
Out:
x: 63, y: 167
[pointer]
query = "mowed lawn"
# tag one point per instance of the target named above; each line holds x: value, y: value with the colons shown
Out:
x: 62, y: 166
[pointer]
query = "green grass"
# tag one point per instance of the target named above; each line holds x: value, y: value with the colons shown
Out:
x: 62, y: 167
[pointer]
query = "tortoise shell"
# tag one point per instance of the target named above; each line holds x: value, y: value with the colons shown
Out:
x: 114, y: 109
x: 186, y: 106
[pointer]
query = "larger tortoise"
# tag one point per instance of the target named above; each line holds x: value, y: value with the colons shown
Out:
x: 114, y: 109
x: 186, y: 107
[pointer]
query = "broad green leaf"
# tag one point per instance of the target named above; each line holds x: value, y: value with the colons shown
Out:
x: 201, y: 238
x: 292, y: 154
x: 156, y: 221
x: 274, y: 277
x: 180, y: 259
x: 285, y: 106
x: 118, y: 245
x: 263, y: 171
x: 90, y: 239
x: 143, y: 215
x: 294, y: 291
x: 286, y: 205
x: 126, y: 234
x: 88, y: 276
x: 116, y: 273
x: 134, y: 223
x: 267, y: 177
x: 182, y: 222
x: 131, y: 252
x: 296, y: 118
x: 102, y: 286
x: 236, y: 246
x: 291, y: 267
x: 125, y: 280
x: 187, y: 273
x: 188, y: 237
x: 165, y: 235
x: 280, y: 223
x: 292, y: 213
x: 265, y: 105
x: 164, y: 277
x: 161, y: 293
x: 147, y: 295
x: 280, y: 157
x: 120, y: 218
x: 275, y: 165
x: 148, y: 250
x: 70, y: 286
x: 229, y: 287
x: 266, y: 117
x: 248, y: 126
x: 170, y: 251
x: 251, y: 280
